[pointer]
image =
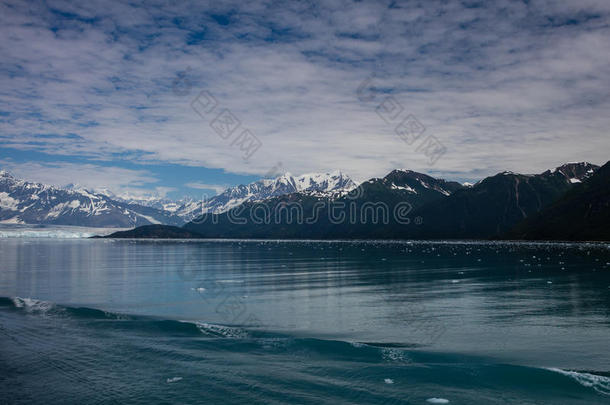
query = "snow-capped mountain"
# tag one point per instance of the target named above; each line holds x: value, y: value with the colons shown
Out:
x: 23, y: 202
x: 329, y: 185
x: 152, y: 201
x: 439, y: 209
x: 417, y: 183
x: 573, y: 172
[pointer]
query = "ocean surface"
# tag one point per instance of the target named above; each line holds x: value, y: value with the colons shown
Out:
x: 303, y: 322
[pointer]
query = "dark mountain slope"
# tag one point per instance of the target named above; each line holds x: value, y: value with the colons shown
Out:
x: 402, y: 205
x: 583, y: 213
x: 496, y: 204
x: 155, y: 232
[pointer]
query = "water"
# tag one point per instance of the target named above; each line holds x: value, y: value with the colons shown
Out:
x: 101, y: 321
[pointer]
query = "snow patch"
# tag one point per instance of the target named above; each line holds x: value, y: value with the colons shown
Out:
x: 12, y: 221
x: 7, y: 202
x: 407, y: 188
x: 148, y: 218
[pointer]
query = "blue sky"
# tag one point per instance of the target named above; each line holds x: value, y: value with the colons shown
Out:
x: 100, y: 92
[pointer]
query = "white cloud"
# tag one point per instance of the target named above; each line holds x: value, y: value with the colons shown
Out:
x: 118, y: 180
x: 218, y: 188
x: 503, y: 86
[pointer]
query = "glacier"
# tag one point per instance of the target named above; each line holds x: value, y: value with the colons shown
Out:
x: 53, y: 231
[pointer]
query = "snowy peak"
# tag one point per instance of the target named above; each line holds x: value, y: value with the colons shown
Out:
x: 415, y: 182
x: 573, y: 172
x: 26, y: 202
x: 408, y: 186
x: 324, y: 183
x: 23, y: 202
x: 329, y: 185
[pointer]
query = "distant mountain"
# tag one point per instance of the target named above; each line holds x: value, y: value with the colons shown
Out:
x: 433, y: 208
x: 20, y: 201
x: 366, y: 212
x: 328, y: 185
x: 404, y: 204
x: 152, y: 201
x: 186, y: 208
x: 496, y: 204
x: 23, y: 202
x: 415, y: 188
x: 583, y: 213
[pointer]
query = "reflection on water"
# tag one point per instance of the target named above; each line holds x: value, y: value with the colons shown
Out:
x: 541, y: 304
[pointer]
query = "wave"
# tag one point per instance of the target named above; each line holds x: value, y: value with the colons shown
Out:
x: 40, y: 307
x: 598, y: 382
x: 393, y: 356
x: 262, y: 340
x: 122, y: 321
x: 31, y: 305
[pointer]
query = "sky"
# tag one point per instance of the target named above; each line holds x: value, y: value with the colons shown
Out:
x: 187, y: 98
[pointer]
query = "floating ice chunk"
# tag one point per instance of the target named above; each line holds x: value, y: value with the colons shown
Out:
x: 173, y: 379
x: 437, y: 400
x: 388, y: 381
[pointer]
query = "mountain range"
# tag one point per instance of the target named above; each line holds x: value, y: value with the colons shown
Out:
x: 404, y: 204
x: 496, y: 204
x: 326, y: 185
x: 568, y: 202
x: 23, y: 202
x: 583, y: 213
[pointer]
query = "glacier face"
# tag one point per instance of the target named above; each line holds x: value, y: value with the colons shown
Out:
x: 52, y: 231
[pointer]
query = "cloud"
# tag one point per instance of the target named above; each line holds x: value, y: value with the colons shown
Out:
x: 118, y: 180
x: 218, y: 188
x: 502, y: 84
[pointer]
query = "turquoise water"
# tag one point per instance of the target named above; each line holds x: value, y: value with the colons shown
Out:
x: 102, y: 321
